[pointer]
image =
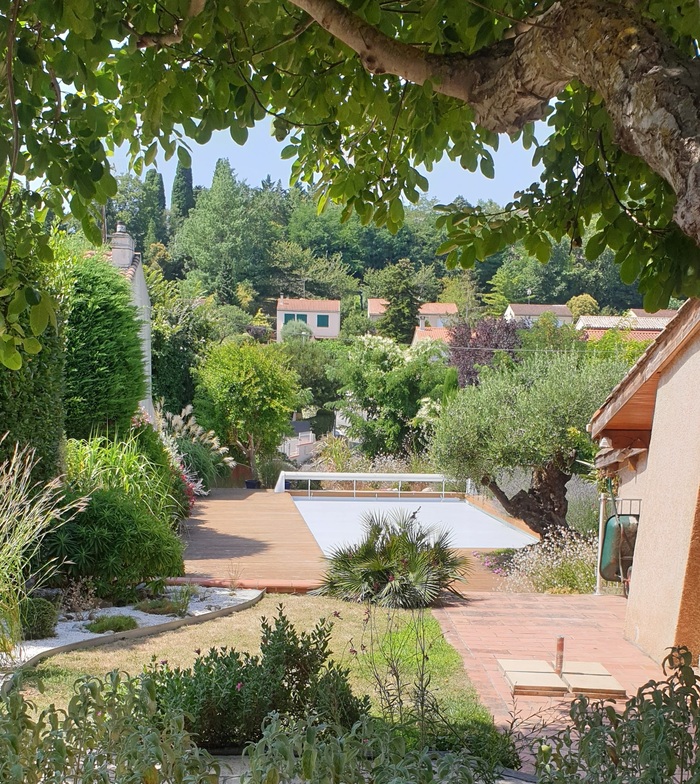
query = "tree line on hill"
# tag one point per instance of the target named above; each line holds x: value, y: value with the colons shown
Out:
x: 245, y: 245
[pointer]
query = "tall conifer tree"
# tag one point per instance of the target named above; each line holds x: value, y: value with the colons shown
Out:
x: 182, y: 197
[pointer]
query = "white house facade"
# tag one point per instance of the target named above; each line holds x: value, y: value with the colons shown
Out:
x: 322, y: 316
x: 129, y: 264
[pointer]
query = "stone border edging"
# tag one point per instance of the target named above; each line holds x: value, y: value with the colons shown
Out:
x: 131, y: 634
x: 258, y: 584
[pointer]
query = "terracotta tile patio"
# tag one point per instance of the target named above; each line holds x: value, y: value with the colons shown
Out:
x: 489, y: 626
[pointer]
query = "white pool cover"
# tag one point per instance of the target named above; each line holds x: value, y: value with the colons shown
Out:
x: 337, y: 521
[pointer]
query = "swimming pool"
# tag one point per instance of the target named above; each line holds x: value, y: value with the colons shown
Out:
x: 337, y: 521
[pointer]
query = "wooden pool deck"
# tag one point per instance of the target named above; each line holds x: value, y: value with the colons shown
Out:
x: 258, y: 539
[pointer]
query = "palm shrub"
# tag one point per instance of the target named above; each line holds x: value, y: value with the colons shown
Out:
x: 398, y: 563
x: 28, y: 510
x: 117, y: 542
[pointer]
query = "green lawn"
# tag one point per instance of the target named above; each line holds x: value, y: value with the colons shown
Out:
x: 388, y: 653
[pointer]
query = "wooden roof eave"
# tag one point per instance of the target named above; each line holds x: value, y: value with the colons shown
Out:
x: 630, y: 406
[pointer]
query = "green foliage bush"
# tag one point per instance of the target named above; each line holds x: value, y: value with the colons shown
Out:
x: 151, y: 445
x: 112, y: 623
x: 117, y: 542
x: 31, y: 397
x: 104, y: 363
x: 652, y: 738
x: 226, y: 695
x: 398, y: 563
x: 311, y: 752
x: 107, y: 733
x: 39, y: 618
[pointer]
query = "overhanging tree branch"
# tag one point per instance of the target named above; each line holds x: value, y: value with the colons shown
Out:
x: 651, y: 92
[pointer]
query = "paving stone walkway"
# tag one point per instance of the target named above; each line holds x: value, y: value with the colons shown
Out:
x: 489, y: 626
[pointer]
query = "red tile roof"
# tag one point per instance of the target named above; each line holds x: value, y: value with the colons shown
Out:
x: 438, y: 309
x: 376, y: 307
x: 627, y: 334
x: 310, y: 305
x: 430, y: 333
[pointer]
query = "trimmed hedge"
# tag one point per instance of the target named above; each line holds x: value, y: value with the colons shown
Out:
x: 104, y: 363
x: 38, y: 617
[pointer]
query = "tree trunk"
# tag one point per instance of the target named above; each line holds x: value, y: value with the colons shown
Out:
x: 651, y: 91
x: 252, y: 457
x: 544, y: 506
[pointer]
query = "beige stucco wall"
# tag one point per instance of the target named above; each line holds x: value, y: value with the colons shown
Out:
x: 668, y: 484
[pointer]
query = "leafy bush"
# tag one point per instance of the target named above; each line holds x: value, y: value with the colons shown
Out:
x: 307, y: 750
x: 654, y: 738
x: 226, y: 695
x: 112, y: 623
x: 117, y: 542
x: 564, y: 562
x: 107, y: 733
x: 104, y: 363
x: 270, y: 466
x: 398, y: 563
x: 160, y: 606
x: 38, y: 617
x: 28, y: 511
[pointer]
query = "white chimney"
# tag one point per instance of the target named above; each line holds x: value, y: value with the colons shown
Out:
x: 122, y: 244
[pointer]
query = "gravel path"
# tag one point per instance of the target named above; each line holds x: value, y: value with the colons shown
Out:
x: 73, y: 629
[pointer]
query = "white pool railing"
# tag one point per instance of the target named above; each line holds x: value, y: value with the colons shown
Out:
x: 338, y: 476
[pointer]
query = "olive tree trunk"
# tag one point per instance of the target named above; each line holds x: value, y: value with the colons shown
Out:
x: 544, y: 505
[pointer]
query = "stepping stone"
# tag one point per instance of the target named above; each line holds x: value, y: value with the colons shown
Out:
x: 583, y: 668
x: 594, y: 685
x: 536, y: 684
x: 524, y: 665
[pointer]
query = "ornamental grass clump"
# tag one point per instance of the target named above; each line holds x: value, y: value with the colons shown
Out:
x: 398, y: 563
x: 28, y: 510
x: 564, y: 562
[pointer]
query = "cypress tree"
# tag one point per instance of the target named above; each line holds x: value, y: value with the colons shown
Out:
x: 182, y: 197
x: 153, y: 205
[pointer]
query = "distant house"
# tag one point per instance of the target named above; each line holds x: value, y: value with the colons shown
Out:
x: 637, y: 324
x: 649, y: 433
x: 526, y: 315
x: 322, y: 316
x: 422, y: 334
x: 129, y: 264
x: 431, y: 314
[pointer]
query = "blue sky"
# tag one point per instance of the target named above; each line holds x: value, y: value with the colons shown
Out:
x: 260, y: 156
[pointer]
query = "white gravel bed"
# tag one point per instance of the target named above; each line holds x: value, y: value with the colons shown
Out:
x: 73, y: 630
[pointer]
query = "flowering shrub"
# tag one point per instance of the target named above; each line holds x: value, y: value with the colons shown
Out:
x: 561, y: 563
x: 226, y: 695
